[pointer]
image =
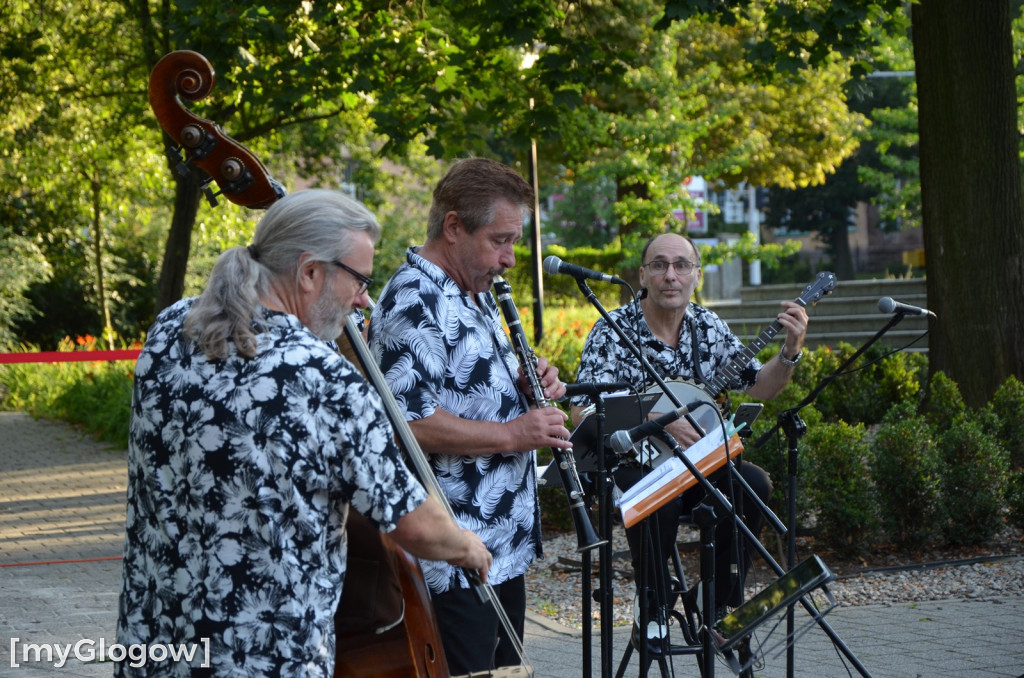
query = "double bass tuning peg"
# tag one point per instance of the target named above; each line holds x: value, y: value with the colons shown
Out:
x: 211, y: 197
x: 181, y: 166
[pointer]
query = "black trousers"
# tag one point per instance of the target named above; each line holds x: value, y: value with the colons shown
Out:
x: 473, y: 636
x: 732, y: 557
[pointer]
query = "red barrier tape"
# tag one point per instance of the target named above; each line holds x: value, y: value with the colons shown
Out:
x: 60, y: 562
x: 68, y: 356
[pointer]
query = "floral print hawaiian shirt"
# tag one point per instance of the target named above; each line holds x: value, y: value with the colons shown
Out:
x: 438, y: 347
x: 606, y: 358
x: 241, y: 473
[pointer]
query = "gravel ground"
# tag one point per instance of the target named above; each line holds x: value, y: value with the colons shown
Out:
x: 554, y: 584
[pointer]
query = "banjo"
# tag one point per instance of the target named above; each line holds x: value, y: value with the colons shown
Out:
x: 712, y: 393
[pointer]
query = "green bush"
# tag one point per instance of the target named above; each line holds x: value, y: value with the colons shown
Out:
x: 562, y: 290
x: 1015, y: 497
x: 906, y: 471
x: 943, y: 404
x: 94, y: 395
x: 101, y: 402
x: 975, y: 469
x: 860, y: 396
x: 773, y: 456
x: 839, y: 487
x: 877, y: 382
x: 1008, y: 408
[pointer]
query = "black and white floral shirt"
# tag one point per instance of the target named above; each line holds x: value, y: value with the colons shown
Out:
x: 439, y: 349
x: 241, y: 473
x: 606, y: 358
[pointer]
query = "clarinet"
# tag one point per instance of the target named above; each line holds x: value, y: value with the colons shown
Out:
x: 586, y: 537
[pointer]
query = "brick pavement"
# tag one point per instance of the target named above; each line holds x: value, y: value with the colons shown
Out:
x: 61, y: 524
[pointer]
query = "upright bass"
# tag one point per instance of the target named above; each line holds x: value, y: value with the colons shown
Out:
x: 385, y: 623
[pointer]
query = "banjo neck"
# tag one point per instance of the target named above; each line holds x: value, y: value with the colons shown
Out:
x: 823, y: 284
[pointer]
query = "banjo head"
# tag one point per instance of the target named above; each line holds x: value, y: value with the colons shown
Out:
x: 654, y: 451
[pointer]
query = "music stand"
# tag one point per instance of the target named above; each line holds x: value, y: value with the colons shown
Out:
x: 627, y: 410
x: 622, y: 411
x: 729, y: 631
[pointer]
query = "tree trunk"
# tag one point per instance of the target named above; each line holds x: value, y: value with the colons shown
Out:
x: 97, y: 251
x: 839, y: 237
x: 632, y: 275
x: 971, y: 198
x: 187, y: 193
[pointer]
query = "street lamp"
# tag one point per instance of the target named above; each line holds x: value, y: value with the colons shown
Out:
x: 528, y: 60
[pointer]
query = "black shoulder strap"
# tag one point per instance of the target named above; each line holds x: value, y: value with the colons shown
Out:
x: 698, y: 375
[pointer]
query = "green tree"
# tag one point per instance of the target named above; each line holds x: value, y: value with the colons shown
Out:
x: 883, y: 170
x: 826, y: 209
x: 971, y: 190
x: 687, y: 104
x: 971, y: 194
x: 324, y: 92
x: 279, y: 65
x: 21, y: 265
x: 612, y: 98
x: 70, y: 141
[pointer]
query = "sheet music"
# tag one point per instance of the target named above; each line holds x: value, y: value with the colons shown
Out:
x: 670, y: 479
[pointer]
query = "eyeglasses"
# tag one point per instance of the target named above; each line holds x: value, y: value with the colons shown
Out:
x: 364, y: 281
x: 681, y: 266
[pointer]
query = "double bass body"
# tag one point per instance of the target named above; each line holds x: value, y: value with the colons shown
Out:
x: 385, y: 623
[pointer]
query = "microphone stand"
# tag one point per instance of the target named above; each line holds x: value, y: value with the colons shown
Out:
x: 705, y: 513
x: 604, y: 592
x: 794, y: 427
x: 605, y: 598
x: 605, y: 498
x: 749, y: 536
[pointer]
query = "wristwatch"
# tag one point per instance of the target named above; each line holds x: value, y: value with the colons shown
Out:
x: 788, y: 362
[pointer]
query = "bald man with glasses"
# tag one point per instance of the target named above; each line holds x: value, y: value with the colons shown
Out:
x: 683, y: 340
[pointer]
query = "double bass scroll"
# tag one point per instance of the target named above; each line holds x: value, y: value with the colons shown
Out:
x: 242, y: 178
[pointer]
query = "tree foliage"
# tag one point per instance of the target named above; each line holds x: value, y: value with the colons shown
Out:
x: 689, y: 104
x: 628, y: 97
x: 76, y: 162
x: 971, y: 194
x: 23, y: 265
x: 327, y: 93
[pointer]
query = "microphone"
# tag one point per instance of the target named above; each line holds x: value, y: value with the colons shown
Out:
x: 594, y: 388
x: 622, y: 440
x: 887, y: 305
x: 553, y: 265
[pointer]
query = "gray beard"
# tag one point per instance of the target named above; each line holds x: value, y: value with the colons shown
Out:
x: 327, y: 317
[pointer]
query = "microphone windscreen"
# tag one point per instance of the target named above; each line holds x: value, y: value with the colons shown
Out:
x: 619, y: 442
